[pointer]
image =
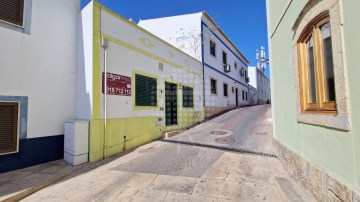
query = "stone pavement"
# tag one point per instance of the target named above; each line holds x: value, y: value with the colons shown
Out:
x: 231, y: 176
x: 238, y: 132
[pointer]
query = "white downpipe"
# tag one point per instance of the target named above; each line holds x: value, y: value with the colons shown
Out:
x: 104, y: 44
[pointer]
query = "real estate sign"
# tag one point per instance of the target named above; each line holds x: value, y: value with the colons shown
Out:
x: 117, y: 84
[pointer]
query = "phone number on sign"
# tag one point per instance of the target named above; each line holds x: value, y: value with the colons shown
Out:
x: 118, y: 91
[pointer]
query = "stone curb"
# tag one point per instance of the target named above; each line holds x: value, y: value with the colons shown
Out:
x: 172, y: 133
x: 238, y: 150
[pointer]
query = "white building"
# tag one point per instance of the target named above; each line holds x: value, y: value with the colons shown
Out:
x: 52, y: 65
x: 252, y: 95
x: 152, y: 87
x: 224, y: 66
x: 259, y: 80
x: 37, y: 79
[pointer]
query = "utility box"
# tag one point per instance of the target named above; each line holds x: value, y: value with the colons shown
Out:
x: 76, y: 142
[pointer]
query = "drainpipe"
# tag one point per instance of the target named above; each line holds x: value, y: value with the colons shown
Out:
x: 104, y: 44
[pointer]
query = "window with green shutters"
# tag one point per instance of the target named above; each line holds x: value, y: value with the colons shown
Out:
x: 145, y: 91
x: 188, y: 100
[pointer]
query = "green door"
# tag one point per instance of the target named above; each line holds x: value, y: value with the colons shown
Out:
x: 171, y: 104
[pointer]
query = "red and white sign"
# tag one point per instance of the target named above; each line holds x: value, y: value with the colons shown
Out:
x: 117, y: 84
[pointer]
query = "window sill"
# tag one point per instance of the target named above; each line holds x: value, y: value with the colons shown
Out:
x: 12, y: 24
x: 339, y: 122
x: 214, y: 56
x: 10, y: 152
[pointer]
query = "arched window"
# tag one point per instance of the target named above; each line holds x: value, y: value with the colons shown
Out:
x: 316, y: 69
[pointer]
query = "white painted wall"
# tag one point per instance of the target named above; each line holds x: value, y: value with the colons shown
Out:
x: 167, y: 28
x: 259, y: 80
x: 219, y: 100
x: 122, y: 60
x: 253, y: 76
x: 41, y: 64
x: 252, y: 95
x: 216, y: 62
x: 84, y: 88
x: 224, y: 45
x: 172, y: 30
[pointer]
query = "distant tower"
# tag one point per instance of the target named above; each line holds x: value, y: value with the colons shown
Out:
x: 261, y: 59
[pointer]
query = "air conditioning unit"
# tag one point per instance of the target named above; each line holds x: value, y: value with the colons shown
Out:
x: 227, y: 68
x: 242, y: 72
x: 76, y: 142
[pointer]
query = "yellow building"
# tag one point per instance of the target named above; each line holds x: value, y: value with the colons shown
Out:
x: 152, y: 87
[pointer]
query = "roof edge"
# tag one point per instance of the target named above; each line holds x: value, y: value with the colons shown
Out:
x: 212, y: 21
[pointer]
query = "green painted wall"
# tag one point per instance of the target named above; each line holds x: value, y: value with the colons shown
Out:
x: 336, y: 152
x: 352, y: 51
x: 277, y: 8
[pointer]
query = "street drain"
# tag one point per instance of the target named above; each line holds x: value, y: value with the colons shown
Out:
x: 216, y: 132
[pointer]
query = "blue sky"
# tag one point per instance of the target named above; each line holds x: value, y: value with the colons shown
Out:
x: 243, y: 21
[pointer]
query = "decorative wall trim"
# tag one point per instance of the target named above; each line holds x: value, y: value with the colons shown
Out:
x: 315, y: 180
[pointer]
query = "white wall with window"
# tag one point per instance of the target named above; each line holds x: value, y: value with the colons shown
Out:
x: 38, y: 58
x: 41, y: 63
x: 147, y: 58
x: 221, y: 59
x: 262, y: 84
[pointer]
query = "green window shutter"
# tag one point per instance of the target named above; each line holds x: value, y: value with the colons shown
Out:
x: 145, y: 91
x: 188, y: 100
x: 152, y: 91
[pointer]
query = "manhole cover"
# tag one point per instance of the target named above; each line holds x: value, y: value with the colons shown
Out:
x: 225, y: 140
x: 218, y: 132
